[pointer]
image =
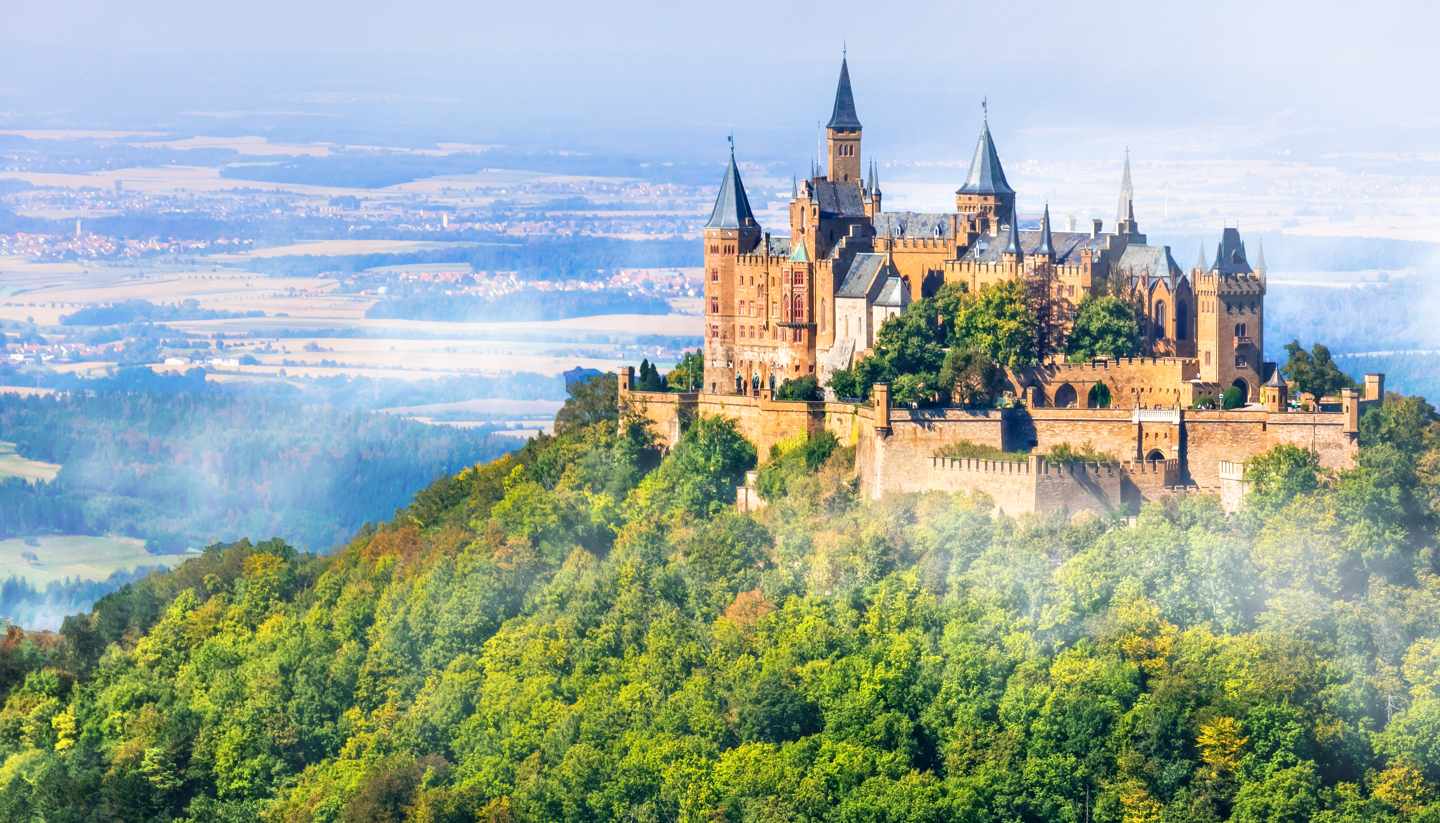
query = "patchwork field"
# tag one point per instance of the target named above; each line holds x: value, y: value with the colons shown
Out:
x: 13, y: 465
x: 41, y: 560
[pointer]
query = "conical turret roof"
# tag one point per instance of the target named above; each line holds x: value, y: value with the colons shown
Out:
x: 1012, y: 244
x: 843, y: 116
x: 732, y: 207
x: 1047, y: 246
x: 986, y: 175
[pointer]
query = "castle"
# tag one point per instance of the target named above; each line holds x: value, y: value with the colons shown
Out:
x: 809, y: 304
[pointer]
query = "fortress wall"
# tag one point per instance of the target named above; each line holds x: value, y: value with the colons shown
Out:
x: 1107, y: 430
x: 664, y: 410
x: 1078, y: 487
x: 1214, y: 437
x: 901, y: 459
x: 1149, y: 479
x: 1135, y: 382
x: 1010, y: 484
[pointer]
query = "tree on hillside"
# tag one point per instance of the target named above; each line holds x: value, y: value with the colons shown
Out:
x: 688, y: 374
x: 1314, y: 371
x: 1280, y: 475
x: 970, y: 378
x: 998, y: 322
x: 648, y: 377
x: 701, y: 472
x: 1104, y: 326
x: 799, y: 388
x: 591, y: 401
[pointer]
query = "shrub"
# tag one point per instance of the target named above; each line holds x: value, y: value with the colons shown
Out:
x: 800, y: 388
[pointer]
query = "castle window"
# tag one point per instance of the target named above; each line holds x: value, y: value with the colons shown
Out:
x: 714, y: 332
x: 1240, y: 330
x: 714, y: 305
x: 714, y: 275
x: 1207, y: 358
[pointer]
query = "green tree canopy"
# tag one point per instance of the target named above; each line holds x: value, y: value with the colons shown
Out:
x: 1104, y: 326
x: 1314, y: 371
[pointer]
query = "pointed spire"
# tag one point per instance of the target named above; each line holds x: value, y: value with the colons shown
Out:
x: 1219, y: 259
x: 1260, y: 256
x: 843, y: 116
x: 794, y: 188
x: 1201, y: 263
x: 1127, y: 193
x: 870, y: 178
x: 1012, y: 245
x: 1046, y: 246
x: 986, y: 175
x: 799, y: 254
x: 875, y: 176
x: 732, y: 206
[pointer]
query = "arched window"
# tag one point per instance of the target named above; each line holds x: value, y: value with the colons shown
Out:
x: 1240, y: 330
x: 714, y: 305
x: 799, y: 312
x: 1160, y: 319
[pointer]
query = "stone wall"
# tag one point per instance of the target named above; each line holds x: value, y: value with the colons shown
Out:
x: 1213, y: 437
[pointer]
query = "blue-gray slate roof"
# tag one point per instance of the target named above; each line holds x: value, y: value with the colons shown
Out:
x: 1230, y: 254
x: 844, y: 116
x: 986, y: 175
x: 839, y: 199
x: 860, y: 277
x: 732, y: 207
x: 1067, y: 245
x: 892, y: 294
x: 913, y: 224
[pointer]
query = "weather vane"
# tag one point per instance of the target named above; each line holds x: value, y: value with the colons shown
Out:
x: 985, y: 107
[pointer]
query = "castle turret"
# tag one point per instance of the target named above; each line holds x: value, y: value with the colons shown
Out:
x: 1275, y: 394
x: 1230, y: 319
x: 986, y: 192
x: 872, y: 192
x: 842, y: 133
x: 1047, y: 245
x: 1013, y: 252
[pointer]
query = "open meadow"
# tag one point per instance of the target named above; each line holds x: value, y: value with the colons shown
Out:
x: 46, y: 558
x: 13, y: 465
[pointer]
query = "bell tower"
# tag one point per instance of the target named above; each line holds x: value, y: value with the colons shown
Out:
x: 842, y: 133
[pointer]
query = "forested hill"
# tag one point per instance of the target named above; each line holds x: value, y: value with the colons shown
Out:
x: 585, y: 630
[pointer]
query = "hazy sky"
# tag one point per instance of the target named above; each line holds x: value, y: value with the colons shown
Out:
x: 741, y: 63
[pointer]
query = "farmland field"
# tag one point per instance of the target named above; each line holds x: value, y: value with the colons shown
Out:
x: 13, y: 465
x: 57, y: 557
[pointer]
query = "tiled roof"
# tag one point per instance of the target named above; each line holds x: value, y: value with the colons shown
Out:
x: 912, y: 224
x: 844, y: 116
x: 861, y: 275
x: 839, y: 199
x: 732, y: 207
x: 986, y: 175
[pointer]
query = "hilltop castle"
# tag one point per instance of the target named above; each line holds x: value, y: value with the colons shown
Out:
x: 779, y: 308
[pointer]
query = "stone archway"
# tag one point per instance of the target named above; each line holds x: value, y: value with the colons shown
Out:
x: 1243, y: 387
x: 1065, y: 396
x: 1154, y: 455
x: 1099, y: 397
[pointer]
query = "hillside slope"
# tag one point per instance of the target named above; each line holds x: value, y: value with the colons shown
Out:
x: 585, y: 630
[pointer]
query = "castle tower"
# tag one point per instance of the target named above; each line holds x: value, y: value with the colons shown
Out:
x: 1230, y: 319
x: 842, y: 133
x: 986, y: 193
x: 872, y: 192
x: 1275, y: 394
x: 730, y: 232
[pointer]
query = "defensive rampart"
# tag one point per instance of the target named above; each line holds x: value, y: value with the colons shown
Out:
x: 1155, y: 452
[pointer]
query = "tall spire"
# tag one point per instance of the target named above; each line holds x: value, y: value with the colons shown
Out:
x: 794, y: 188
x: 1201, y: 264
x: 1046, y: 246
x: 1012, y: 245
x: 1127, y: 193
x: 870, y: 178
x: 732, y: 207
x: 986, y: 175
x: 1260, y: 256
x: 843, y: 116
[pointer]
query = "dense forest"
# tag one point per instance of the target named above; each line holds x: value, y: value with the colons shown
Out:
x: 182, y: 462
x: 585, y: 629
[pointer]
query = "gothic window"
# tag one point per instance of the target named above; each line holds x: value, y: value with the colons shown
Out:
x: 1160, y: 319
x: 714, y: 275
x: 714, y: 305
x: 799, y: 309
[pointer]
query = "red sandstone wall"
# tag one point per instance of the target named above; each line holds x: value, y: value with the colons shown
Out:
x: 1215, y: 436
